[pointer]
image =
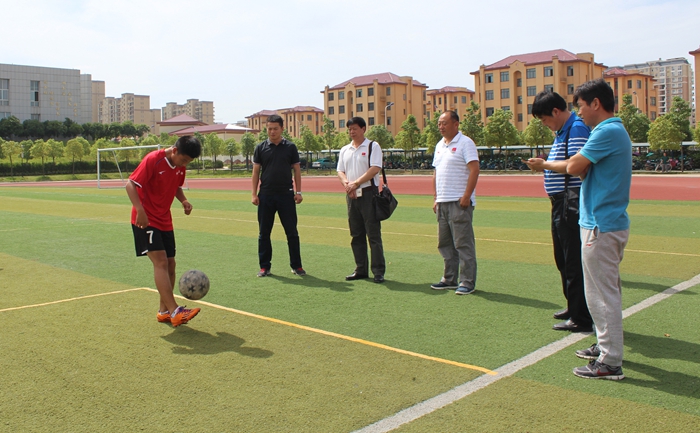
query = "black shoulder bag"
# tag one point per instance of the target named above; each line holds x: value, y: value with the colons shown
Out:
x: 384, y: 201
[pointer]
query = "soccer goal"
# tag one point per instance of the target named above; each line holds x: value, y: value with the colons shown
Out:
x: 115, y: 154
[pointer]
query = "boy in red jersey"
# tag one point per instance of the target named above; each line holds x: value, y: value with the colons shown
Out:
x: 152, y: 187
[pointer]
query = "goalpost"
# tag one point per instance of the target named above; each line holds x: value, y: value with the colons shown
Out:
x: 114, y: 151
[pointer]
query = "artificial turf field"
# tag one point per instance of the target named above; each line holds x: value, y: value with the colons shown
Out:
x: 81, y: 349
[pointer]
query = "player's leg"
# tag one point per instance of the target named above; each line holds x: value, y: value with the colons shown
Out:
x: 161, y: 275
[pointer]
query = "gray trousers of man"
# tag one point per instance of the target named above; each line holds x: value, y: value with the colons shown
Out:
x: 456, y: 243
x: 363, y: 227
x: 601, y: 254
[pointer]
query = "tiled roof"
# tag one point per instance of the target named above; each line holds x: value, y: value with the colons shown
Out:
x: 449, y: 89
x: 695, y: 52
x: 262, y: 113
x: 615, y: 71
x: 304, y: 108
x: 383, y: 78
x: 216, y: 128
x: 182, y: 119
x: 534, y: 58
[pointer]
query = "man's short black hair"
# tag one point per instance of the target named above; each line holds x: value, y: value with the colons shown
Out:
x: 359, y: 121
x: 593, y: 89
x: 453, y: 115
x: 276, y: 119
x: 545, y: 103
x: 189, y: 146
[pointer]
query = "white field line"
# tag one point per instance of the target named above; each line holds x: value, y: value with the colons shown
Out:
x: 439, y: 401
x: 69, y: 300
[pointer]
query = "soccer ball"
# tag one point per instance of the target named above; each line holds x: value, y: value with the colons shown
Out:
x: 194, y: 284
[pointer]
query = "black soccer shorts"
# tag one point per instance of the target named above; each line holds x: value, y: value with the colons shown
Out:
x: 153, y: 239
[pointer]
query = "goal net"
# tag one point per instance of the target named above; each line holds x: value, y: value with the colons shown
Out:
x: 113, y: 152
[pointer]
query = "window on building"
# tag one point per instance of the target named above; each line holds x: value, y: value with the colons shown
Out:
x: 35, y: 117
x: 388, y: 91
x: 34, y: 93
x: 639, y: 84
x: 505, y: 76
x: 489, y: 95
x: 341, y: 109
x: 629, y: 84
x: 489, y: 111
x: 529, y: 108
x: 370, y: 106
x: 359, y: 108
x: 455, y: 100
x: 520, y: 117
x: 341, y: 94
x: 505, y: 93
x: 309, y: 117
x: 331, y: 96
x: 569, y: 71
x: 519, y: 82
x: 370, y: 91
x: 331, y: 110
x: 531, y: 73
x: 464, y: 99
x: 531, y: 90
x: 359, y: 93
x: 571, y: 106
x: 520, y: 99
x: 404, y: 96
x: 549, y: 88
x: 505, y: 108
x: 652, y: 101
x: 5, y: 114
x: 653, y: 115
x: 488, y: 78
x: 548, y: 71
x: 440, y: 100
x: 570, y: 89
x: 388, y: 121
x: 341, y: 124
x: 370, y: 121
x: 4, y: 92
x: 333, y: 123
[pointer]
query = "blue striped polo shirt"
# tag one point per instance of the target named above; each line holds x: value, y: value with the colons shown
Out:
x: 578, y: 135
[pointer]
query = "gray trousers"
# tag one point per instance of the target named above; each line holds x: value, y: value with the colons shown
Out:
x: 456, y: 243
x: 363, y: 227
x: 601, y: 254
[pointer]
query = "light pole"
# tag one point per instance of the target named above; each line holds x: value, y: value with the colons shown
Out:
x: 636, y: 100
x: 386, y: 123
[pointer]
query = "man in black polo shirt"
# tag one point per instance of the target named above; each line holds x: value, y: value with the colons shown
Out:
x: 273, y: 161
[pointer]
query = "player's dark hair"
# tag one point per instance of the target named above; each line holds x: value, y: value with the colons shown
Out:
x: 593, y: 89
x: 276, y: 119
x: 545, y: 103
x: 189, y: 146
x: 359, y: 121
x: 453, y: 115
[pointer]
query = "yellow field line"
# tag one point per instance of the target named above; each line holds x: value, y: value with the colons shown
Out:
x: 68, y: 300
x: 341, y: 336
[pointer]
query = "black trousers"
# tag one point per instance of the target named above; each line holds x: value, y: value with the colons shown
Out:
x: 566, y: 236
x: 363, y: 227
x: 284, y: 205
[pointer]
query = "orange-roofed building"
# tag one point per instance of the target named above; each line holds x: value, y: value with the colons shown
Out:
x: 642, y: 87
x: 457, y: 99
x: 294, y: 118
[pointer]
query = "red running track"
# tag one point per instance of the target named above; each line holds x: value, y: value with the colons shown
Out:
x: 644, y: 187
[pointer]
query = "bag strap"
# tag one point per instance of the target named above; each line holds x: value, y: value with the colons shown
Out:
x: 369, y: 159
x: 567, y: 176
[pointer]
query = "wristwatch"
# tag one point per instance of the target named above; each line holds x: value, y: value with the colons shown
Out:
x: 299, y: 192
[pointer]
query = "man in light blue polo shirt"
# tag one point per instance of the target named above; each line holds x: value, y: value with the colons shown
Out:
x: 605, y: 165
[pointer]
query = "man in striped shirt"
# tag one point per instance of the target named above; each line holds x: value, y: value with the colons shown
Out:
x: 456, y: 172
x: 572, y: 133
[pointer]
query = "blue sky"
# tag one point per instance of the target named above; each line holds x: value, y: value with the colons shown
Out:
x: 283, y: 53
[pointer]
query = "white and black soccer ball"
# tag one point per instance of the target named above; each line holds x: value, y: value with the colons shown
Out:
x: 194, y: 284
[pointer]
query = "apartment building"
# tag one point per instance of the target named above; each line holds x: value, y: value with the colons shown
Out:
x: 200, y: 110
x: 642, y: 87
x: 40, y: 93
x: 457, y: 99
x: 384, y: 99
x: 294, y: 118
x: 696, y: 56
x: 98, y: 95
x: 674, y: 77
x: 512, y: 83
x: 135, y: 108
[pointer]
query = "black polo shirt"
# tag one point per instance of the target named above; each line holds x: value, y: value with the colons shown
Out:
x: 276, y: 164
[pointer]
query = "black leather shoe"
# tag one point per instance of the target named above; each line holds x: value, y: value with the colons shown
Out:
x: 562, y: 314
x: 569, y: 325
x: 379, y: 278
x: 356, y: 276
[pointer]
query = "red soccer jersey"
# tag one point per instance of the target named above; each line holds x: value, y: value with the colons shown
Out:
x: 158, y: 181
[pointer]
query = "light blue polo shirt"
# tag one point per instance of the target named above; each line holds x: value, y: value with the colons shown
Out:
x: 605, y: 192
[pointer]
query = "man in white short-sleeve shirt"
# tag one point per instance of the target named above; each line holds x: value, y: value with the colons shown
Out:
x: 456, y: 165
x: 356, y: 170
